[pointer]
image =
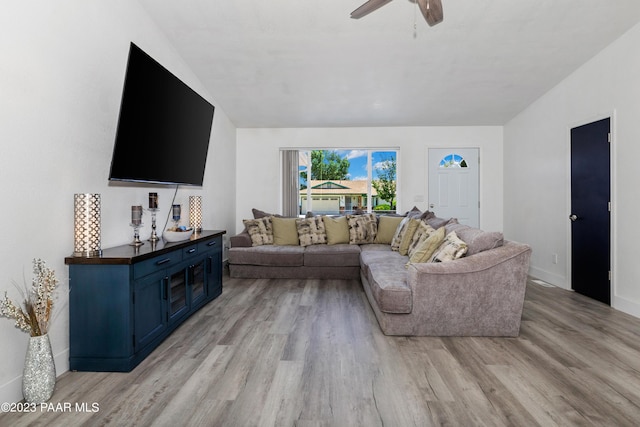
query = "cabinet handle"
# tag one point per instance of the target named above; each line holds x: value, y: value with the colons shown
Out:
x: 163, y: 261
x: 212, y: 243
x: 165, y: 288
x: 192, y: 250
x: 210, y: 265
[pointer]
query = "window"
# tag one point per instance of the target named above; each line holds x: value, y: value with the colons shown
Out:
x: 343, y: 181
x: 453, y: 161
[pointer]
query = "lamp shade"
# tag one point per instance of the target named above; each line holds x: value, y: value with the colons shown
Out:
x: 86, y: 225
x: 195, y: 212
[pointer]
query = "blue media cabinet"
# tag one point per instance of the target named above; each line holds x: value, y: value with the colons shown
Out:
x: 124, y: 303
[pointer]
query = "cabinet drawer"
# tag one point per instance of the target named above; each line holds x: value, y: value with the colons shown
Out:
x: 215, y: 243
x: 157, y: 263
x: 190, y: 251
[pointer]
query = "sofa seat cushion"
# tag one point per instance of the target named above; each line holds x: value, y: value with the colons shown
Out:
x: 340, y: 255
x: 270, y: 255
x: 387, y: 276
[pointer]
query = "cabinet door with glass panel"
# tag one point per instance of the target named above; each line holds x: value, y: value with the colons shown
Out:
x: 197, y: 282
x: 177, y: 302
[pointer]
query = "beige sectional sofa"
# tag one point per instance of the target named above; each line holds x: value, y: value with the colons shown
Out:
x: 479, y: 294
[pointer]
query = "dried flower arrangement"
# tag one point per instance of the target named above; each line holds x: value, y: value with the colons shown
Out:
x: 35, y: 316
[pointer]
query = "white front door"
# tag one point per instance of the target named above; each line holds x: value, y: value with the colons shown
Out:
x: 454, y: 177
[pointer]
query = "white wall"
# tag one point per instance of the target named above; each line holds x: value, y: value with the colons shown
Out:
x: 61, y: 76
x: 537, y: 166
x: 258, y: 173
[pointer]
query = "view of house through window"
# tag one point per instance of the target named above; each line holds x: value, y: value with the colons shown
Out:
x: 345, y: 181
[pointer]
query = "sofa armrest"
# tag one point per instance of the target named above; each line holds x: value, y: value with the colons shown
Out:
x: 241, y: 240
x: 475, y: 263
x: 478, y: 295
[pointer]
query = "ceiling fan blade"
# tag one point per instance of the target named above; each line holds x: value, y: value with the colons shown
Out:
x: 432, y: 11
x: 367, y: 8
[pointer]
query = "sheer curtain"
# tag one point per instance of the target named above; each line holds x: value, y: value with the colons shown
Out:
x: 290, y: 185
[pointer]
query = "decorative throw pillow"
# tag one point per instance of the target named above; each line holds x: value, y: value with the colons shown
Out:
x: 451, y: 248
x: 311, y: 231
x: 425, y: 250
x: 337, y: 229
x: 408, y: 236
x: 362, y: 228
x: 387, y: 226
x: 421, y: 234
x: 285, y: 232
x: 260, y: 230
x: 400, y: 230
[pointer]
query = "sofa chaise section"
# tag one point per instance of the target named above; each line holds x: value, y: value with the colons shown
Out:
x: 479, y: 295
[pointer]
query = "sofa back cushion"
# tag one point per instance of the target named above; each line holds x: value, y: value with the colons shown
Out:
x: 476, y: 239
x: 479, y: 241
x: 436, y: 222
x: 257, y: 214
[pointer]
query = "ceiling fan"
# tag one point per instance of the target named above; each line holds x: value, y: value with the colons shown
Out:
x: 431, y: 9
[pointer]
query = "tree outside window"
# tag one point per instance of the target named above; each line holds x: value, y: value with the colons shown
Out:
x: 347, y: 180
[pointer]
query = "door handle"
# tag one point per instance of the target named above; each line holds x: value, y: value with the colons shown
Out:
x: 431, y: 206
x: 573, y: 217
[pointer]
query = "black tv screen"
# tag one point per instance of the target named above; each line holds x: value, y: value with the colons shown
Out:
x: 163, y: 129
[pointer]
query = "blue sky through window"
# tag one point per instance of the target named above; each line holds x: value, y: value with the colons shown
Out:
x: 358, y: 162
x: 452, y: 161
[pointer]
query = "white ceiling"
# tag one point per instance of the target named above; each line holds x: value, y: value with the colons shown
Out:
x: 297, y: 63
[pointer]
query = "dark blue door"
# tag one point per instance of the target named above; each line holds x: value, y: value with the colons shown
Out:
x: 590, y: 210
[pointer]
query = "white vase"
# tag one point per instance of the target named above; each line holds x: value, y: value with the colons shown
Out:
x: 39, y: 375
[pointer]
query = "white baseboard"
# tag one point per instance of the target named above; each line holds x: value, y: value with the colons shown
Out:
x: 11, y: 391
x: 626, y: 306
x: 553, y: 278
x: 62, y: 361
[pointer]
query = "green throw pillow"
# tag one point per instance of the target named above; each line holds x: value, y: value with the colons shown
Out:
x: 408, y: 236
x: 285, y: 232
x: 425, y: 250
x: 337, y: 229
x: 387, y: 226
x: 422, y: 233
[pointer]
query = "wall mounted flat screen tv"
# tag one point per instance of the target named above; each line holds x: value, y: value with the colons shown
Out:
x: 163, y: 129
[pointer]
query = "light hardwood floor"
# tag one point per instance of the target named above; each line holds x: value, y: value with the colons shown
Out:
x: 310, y: 353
